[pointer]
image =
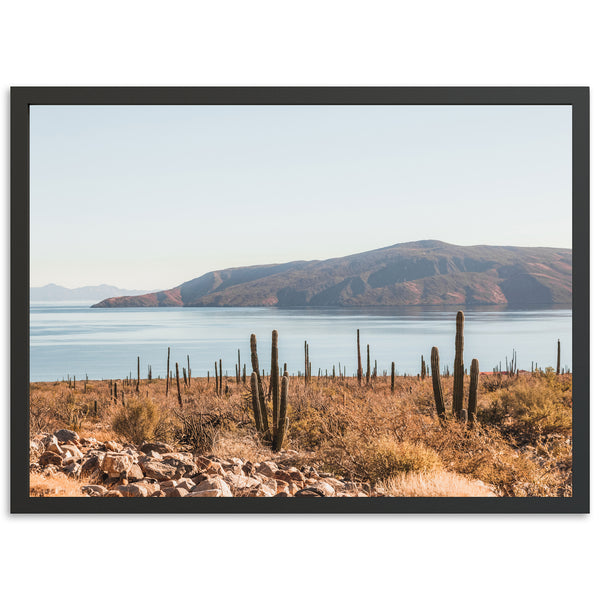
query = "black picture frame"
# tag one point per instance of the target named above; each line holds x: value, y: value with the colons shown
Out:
x: 24, y: 97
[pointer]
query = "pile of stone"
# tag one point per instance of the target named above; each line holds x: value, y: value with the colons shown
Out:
x: 158, y: 470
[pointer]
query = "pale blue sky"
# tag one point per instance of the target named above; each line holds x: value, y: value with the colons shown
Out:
x: 148, y: 197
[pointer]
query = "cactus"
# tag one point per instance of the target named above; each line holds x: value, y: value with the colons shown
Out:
x: 306, y: 364
x: 238, y: 373
x: 216, y: 379
x: 167, y: 377
x: 244, y: 375
x: 280, y: 430
x: 137, y: 383
x: 274, y: 380
x: 459, y: 369
x: 393, y: 383
x: 220, y: 377
x: 558, y: 358
x: 472, y: 410
x: 178, y: 388
x: 359, y: 369
x: 437, y: 384
x: 368, y: 373
x: 255, y: 402
x: 189, y: 370
x: 261, y: 393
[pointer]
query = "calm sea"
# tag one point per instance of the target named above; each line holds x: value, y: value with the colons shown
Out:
x: 73, y: 339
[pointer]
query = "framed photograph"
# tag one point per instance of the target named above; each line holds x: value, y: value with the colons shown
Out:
x: 300, y: 300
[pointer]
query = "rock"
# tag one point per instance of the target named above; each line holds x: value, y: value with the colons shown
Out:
x: 176, y: 492
x: 159, y: 471
x: 309, y: 492
x: 135, y: 473
x: 114, y: 464
x: 187, y: 484
x: 113, y: 446
x: 267, y: 468
x: 94, y: 490
x: 241, y: 482
x: 262, y: 491
x: 158, y: 447
x: 54, y: 447
x: 159, y: 494
x: 169, y: 483
x: 186, y: 467
x: 214, y: 483
x: 318, y: 489
x: 113, y: 494
x: 91, y: 464
x: 72, y: 468
x: 66, y: 436
x: 205, y: 494
x: 50, y: 458
x: 133, y: 490
x: 271, y: 484
x: 74, y: 450
x: 248, y: 468
x: 209, y: 466
x: 151, y: 486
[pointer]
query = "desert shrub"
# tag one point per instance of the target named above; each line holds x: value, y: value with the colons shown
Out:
x: 137, y: 421
x: 196, y: 431
x: 532, y: 409
x: 376, y: 459
x: 386, y: 457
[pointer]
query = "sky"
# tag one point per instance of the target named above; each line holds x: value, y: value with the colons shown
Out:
x: 148, y: 197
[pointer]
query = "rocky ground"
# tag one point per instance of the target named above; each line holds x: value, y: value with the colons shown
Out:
x: 158, y: 470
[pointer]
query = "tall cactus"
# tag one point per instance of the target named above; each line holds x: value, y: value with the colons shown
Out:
x: 472, y: 406
x: 178, y: 388
x: 359, y: 369
x: 261, y: 393
x: 558, y: 358
x: 368, y: 374
x: 274, y: 380
x: 282, y: 421
x: 459, y: 369
x: 437, y: 384
x: 393, y: 383
x: 256, y: 403
x: 167, y: 377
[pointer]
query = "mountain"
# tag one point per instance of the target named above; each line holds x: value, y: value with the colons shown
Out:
x: 415, y: 273
x: 91, y: 293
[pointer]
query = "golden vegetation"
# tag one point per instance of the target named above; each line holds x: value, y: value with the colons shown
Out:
x: 520, y: 445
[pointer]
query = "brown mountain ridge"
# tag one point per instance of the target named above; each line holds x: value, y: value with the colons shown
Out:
x: 421, y: 273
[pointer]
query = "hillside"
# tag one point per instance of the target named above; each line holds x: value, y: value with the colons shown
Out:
x: 53, y: 292
x: 409, y: 274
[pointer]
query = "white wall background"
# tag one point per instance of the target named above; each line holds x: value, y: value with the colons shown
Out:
x: 309, y: 43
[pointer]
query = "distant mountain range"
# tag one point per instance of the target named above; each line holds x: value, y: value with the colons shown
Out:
x: 409, y: 274
x: 89, y: 293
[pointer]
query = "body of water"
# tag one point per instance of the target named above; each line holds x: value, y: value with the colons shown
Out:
x: 73, y: 339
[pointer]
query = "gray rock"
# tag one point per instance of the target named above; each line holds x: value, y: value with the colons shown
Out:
x: 159, y: 471
x: 158, y: 447
x: 133, y: 490
x: 94, y: 490
x: 66, y: 436
x: 50, y: 458
x: 115, y: 464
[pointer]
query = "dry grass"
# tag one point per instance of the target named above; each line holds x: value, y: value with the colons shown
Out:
x: 521, y: 445
x: 57, y: 484
x: 436, y: 484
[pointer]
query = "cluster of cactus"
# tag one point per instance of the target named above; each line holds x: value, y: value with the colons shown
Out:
x: 279, y: 396
x: 458, y: 387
